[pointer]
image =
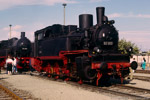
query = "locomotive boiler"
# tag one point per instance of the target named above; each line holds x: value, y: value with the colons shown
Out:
x: 88, y: 53
x: 20, y: 48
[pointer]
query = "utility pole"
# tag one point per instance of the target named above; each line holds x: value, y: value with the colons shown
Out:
x: 10, y: 31
x: 64, y: 4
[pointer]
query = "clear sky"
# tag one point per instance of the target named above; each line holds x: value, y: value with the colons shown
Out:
x: 132, y: 17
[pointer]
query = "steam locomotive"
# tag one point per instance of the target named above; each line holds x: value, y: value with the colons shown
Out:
x: 14, y: 47
x: 88, y: 53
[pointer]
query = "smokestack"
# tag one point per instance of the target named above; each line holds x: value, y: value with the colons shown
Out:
x: 22, y: 34
x: 100, y: 15
x: 85, y: 21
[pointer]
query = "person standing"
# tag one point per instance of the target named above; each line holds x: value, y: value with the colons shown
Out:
x: 130, y: 69
x: 9, y: 63
x: 143, y: 64
x: 14, y: 65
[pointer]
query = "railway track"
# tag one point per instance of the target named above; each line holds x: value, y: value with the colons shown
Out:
x: 142, y: 78
x: 7, y: 94
x: 143, y: 71
x: 122, y: 91
x: 131, y: 92
x: 14, y: 94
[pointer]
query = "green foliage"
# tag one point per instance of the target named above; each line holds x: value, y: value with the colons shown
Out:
x: 123, y: 45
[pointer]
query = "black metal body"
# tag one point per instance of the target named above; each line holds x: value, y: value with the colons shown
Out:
x: 50, y: 40
x: 100, y: 38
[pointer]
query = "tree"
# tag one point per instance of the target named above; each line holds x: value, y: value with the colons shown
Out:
x: 148, y: 53
x: 123, y: 45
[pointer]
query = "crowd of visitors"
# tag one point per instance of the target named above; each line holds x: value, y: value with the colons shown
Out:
x: 11, y: 63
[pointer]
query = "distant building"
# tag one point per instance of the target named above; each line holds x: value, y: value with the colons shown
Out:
x: 139, y: 58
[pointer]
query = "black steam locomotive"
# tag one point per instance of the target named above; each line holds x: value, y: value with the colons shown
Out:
x: 14, y: 47
x: 87, y: 53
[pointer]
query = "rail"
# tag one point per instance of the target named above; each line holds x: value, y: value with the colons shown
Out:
x: 10, y: 93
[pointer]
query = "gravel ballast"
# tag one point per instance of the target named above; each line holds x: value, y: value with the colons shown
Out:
x: 51, y: 90
x: 45, y: 89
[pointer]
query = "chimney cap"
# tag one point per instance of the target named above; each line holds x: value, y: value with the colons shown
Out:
x: 22, y: 34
